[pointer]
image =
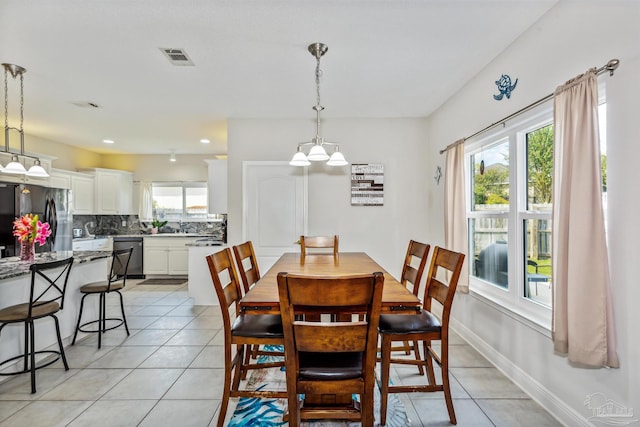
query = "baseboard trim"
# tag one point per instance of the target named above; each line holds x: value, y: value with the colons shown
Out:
x: 549, y: 401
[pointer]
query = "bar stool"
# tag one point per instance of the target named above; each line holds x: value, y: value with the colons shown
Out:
x: 114, y: 283
x: 46, y: 298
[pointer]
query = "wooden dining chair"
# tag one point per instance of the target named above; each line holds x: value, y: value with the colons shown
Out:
x: 46, y: 298
x: 240, y: 330
x: 415, y: 261
x: 424, y: 327
x: 330, y: 361
x: 319, y: 242
x: 250, y: 273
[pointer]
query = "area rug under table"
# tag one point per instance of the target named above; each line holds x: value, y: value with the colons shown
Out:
x: 269, y: 412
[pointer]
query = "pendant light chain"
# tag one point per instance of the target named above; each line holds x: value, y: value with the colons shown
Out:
x: 21, y: 103
x: 6, y: 101
x: 318, y: 74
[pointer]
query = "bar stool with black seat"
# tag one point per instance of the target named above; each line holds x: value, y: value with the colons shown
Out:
x: 318, y: 242
x: 241, y: 330
x: 250, y: 274
x: 415, y: 261
x: 424, y: 327
x: 46, y: 298
x: 328, y: 362
x: 115, y: 283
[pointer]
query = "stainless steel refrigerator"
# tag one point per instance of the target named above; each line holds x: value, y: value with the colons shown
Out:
x: 50, y: 204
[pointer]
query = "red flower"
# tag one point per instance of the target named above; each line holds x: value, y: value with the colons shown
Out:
x: 28, y: 228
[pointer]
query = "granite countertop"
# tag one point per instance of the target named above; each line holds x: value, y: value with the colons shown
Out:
x: 163, y: 235
x: 12, y: 266
x: 207, y: 241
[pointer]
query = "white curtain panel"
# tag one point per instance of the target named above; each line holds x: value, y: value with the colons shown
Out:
x: 455, y: 210
x: 582, y: 326
x: 146, y: 201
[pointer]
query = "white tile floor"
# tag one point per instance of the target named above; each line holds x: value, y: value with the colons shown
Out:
x: 169, y: 372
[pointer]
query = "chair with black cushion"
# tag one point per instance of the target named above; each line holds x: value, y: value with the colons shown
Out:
x: 330, y: 361
x: 240, y: 330
x: 425, y: 327
x: 318, y: 242
x: 415, y: 261
x: 250, y: 274
x: 46, y: 298
x: 115, y: 283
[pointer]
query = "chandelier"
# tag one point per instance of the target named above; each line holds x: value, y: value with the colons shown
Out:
x: 317, y: 153
x: 15, y: 167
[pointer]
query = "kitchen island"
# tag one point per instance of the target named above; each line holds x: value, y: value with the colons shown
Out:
x: 15, y: 279
x: 200, y: 285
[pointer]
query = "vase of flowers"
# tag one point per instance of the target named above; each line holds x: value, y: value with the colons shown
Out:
x: 30, y: 230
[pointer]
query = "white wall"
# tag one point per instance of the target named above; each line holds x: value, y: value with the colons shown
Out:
x: 383, y: 232
x: 570, y: 38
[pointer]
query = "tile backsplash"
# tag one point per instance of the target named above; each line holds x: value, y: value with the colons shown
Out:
x: 114, y: 225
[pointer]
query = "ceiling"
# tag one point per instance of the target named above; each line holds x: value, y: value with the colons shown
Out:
x: 385, y: 59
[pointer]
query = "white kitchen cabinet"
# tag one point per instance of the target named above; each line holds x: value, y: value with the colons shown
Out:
x: 165, y: 255
x: 59, y: 178
x: 217, y: 186
x: 112, y: 191
x: 82, y: 189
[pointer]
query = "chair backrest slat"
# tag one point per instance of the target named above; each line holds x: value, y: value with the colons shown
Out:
x: 348, y: 337
x: 247, y: 264
x: 119, y: 265
x: 417, y: 253
x: 436, y: 288
x: 319, y: 242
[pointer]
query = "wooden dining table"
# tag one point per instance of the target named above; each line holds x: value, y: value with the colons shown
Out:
x: 263, y: 298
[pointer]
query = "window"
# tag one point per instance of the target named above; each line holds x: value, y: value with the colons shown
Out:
x: 510, y: 174
x: 177, y: 201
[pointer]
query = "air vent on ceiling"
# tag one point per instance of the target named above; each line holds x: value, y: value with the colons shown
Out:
x: 177, y: 56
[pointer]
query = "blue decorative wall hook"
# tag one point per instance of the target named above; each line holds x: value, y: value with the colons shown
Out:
x: 505, y: 87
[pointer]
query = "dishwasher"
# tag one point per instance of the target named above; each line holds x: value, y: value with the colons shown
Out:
x: 135, y: 270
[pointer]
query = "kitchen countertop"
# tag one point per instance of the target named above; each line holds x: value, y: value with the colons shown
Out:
x: 161, y: 235
x: 12, y: 266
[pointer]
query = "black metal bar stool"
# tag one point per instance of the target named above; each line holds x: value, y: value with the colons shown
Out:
x: 46, y: 298
x: 114, y: 283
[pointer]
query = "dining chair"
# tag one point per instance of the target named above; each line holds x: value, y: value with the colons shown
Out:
x: 330, y: 361
x: 318, y: 242
x: 424, y: 327
x: 250, y: 273
x: 415, y: 261
x: 240, y: 330
x: 115, y: 282
x: 46, y: 298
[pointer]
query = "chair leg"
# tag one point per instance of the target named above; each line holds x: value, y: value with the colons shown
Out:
x: 385, y: 366
x: 33, y: 356
x: 226, y: 392
x: 64, y: 357
x: 124, y: 318
x: 426, y: 345
x: 444, y: 358
x: 294, y: 409
x: 101, y: 320
x: 416, y: 352
x: 26, y: 345
x: 75, y: 334
x: 366, y: 408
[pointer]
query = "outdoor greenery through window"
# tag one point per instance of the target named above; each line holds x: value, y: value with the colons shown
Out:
x: 509, y: 220
x: 180, y: 201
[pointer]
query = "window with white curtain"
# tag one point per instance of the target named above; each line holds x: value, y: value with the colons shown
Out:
x: 180, y: 201
x: 509, y: 172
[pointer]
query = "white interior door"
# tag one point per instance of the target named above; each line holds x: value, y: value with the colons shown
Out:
x: 274, y: 208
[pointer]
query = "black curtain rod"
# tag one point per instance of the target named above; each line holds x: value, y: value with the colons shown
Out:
x: 610, y: 67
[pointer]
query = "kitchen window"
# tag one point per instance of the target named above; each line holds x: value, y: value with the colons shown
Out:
x: 510, y: 173
x: 179, y: 201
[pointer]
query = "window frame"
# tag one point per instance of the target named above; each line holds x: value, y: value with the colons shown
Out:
x: 184, y: 186
x: 512, y: 298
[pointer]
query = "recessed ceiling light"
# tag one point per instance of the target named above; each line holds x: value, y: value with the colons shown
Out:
x: 108, y: 141
x: 205, y: 141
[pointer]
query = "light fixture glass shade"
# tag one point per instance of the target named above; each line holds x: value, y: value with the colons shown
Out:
x: 337, y: 159
x: 317, y: 154
x: 299, y: 159
x: 37, y: 170
x: 15, y: 167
